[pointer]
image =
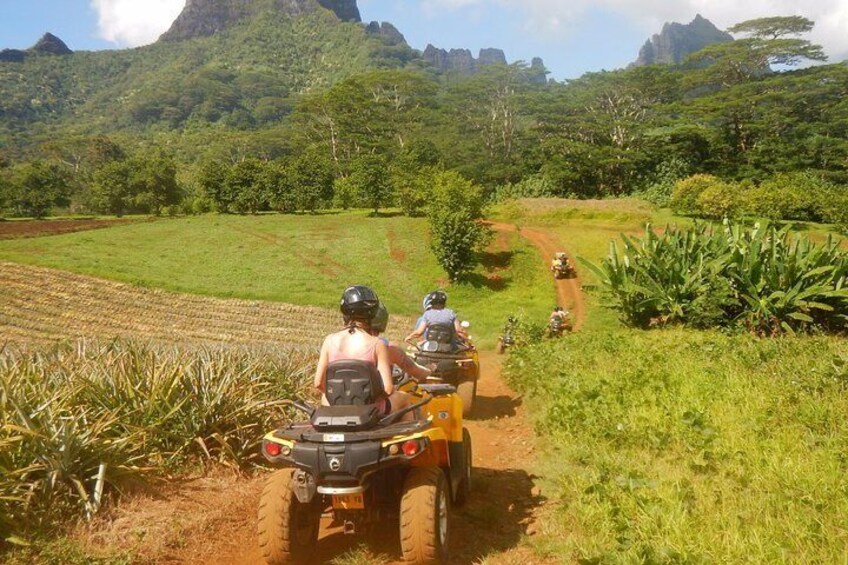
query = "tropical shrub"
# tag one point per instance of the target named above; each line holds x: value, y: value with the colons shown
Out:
x: 455, y: 214
x: 684, y: 198
x: 762, y: 278
x: 719, y: 200
x: 666, y: 176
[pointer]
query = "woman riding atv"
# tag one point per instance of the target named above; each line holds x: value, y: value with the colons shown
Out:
x: 358, y: 305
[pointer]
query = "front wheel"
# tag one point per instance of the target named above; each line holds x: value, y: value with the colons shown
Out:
x: 467, y: 391
x: 425, y: 516
x: 464, y: 488
x: 288, y: 529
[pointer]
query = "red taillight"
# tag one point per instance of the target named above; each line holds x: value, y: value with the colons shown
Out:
x: 272, y: 449
x: 411, y: 448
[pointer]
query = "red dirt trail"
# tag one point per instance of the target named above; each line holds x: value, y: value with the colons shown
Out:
x: 213, y: 520
x: 568, y: 291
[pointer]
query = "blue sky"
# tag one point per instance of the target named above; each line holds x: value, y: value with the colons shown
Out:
x: 572, y: 36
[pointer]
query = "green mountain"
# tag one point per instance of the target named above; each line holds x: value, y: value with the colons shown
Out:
x: 236, y: 63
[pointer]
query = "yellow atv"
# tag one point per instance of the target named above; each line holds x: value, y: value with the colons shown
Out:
x: 456, y: 363
x: 366, y: 469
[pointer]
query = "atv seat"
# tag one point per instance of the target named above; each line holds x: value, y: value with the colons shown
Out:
x: 441, y: 338
x: 353, y: 383
x: 352, y: 390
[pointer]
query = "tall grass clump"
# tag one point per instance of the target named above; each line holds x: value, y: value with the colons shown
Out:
x: 78, y: 422
x: 762, y: 278
x: 690, y: 446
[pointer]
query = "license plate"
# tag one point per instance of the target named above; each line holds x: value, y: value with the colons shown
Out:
x: 348, y: 501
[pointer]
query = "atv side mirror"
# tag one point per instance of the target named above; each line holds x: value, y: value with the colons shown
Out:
x: 465, y: 324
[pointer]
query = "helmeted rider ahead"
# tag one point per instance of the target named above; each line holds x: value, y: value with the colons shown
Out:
x: 358, y: 305
x: 436, y: 312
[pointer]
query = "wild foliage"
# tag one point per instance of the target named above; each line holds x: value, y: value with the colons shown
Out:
x: 689, y: 446
x: 762, y: 278
x: 82, y: 422
x: 455, y: 212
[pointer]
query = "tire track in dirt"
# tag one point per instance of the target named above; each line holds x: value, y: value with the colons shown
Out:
x: 568, y: 291
x: 490, y: 527
x: 500, y: 512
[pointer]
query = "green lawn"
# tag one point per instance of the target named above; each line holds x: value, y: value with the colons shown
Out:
x: 298, y: 260
x: 681, y: 446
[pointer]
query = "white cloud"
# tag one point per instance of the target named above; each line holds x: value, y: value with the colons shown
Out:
x: 130, y: 23
x: 554, y: 17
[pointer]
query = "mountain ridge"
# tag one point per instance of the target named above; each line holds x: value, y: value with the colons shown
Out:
x: 676, y: 41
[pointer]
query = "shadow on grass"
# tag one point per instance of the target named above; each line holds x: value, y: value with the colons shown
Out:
x: 493, y: 520
x: 492, y: 282
x: 496, y: 260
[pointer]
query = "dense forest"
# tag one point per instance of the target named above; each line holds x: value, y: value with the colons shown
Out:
x: 299, y: 114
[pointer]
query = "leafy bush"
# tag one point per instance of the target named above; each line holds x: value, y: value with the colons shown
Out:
x: 719, y: 200
x: 667, y: 175
x: 761, y: 278
x: 684, y: 198
x: 77, y: 419
x: 457, y: 233
x: 537, y: 186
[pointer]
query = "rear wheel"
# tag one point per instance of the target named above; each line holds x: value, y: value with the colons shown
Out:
x: 288, y: 529
x: 464, y: 488
x: 501, y: 346
x: 425, y: 516
x: 467, y: 391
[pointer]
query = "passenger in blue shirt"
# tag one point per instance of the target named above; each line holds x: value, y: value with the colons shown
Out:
x: 436, y: 312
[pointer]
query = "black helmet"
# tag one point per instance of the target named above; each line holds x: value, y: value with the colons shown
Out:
x: 380, y: 319
x: 359, y: 303
x: 436, y: 298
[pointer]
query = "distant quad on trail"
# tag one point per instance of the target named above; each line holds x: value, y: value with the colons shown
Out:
x: 366, y: 470
x: 562, y: 267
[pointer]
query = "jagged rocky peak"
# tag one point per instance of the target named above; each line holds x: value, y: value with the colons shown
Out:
x: 387, y: 32
x: 538, y: 71
x: 676, y: 41
x: 461, y: 60
x: 200, y: 18
x: 51, y: 45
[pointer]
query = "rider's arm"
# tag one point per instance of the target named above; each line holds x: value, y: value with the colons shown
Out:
x: 419, y: 331
x: 407, y: 364
x: 384, y: 365
x: 321, y: 369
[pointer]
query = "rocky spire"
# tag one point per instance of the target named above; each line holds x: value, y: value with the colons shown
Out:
x: 201, y: 18
x: 676, y: 41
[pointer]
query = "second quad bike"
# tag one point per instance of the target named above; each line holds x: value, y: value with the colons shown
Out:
x: 366, y: 469
x: 456, y: 362
x: 562, y: 267
x: 507, y: 339
x: 558, y: 326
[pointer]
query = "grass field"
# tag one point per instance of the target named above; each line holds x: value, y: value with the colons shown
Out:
x: 302, y: 260
x: 674, y: 446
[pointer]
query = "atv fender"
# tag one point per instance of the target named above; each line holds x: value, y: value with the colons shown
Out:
x: 303, y: 485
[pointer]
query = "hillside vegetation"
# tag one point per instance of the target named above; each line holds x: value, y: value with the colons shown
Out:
x: 291, y: 114
x: 676, y: 445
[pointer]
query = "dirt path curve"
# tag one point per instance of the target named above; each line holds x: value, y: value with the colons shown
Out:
x: 213, y: 520
x: 568, y: 291
x: 489, y: 527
